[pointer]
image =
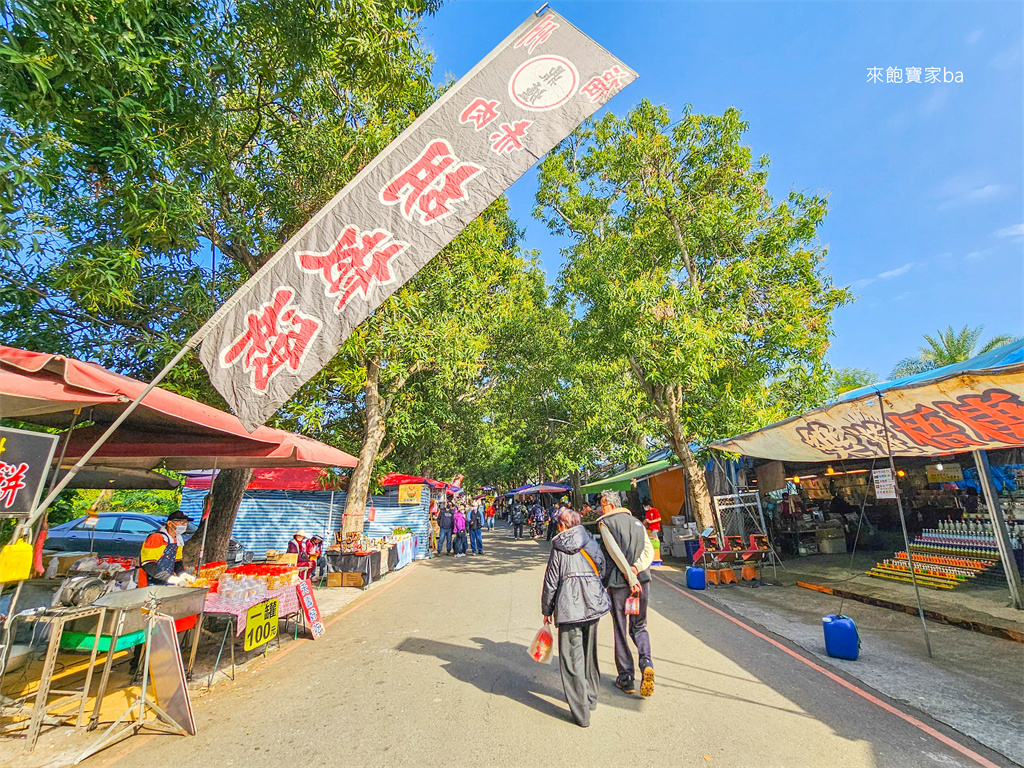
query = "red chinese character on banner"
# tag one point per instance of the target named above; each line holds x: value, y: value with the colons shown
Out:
x: 603, y: 86
x: 994, y: 415
x: 277, y: 335
x: 12, y: 480
x: 928, y: 428
x: 538, y: 34
x: 430, y: 183
x: 480, y: 112
x: 357, y: 261
x: 508, y: 138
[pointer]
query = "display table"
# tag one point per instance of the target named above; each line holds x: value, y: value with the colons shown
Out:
x: 288, y: 605
x: 367, y: 564
x: 402, y: 553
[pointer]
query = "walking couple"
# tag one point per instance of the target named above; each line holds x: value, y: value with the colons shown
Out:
x: 585, y: 580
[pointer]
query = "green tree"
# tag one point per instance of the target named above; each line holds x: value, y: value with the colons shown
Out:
x: 849, y: 379
x: 144, y: 138
x: 683, y: 268
x: 948, y: 347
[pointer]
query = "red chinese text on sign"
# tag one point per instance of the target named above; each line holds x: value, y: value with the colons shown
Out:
x: 430, y: 183
x: 276, y: 335
x: 357, y: 261
x: 994, y: 415
x: 508, y: 138
x: 602, y: 87
x: 538, y: 34
x: 12, y: 480
x: 480, y: 112
x: 928, y: 428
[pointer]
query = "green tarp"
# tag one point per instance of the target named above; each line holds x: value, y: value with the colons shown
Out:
x: 621, y: 481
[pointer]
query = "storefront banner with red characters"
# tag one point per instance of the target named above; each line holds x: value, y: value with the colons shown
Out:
x: 289, y: 319
x: 964, y: 412
x: 309, y: 608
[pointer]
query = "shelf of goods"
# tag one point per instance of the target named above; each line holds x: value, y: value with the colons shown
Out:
x: 945, y: 558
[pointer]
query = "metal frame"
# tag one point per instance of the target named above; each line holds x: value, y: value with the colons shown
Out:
x: 744, y: 501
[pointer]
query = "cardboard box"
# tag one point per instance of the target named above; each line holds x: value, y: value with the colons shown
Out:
x: 832, y: 546
x: 352, y: 580
x: 334, y: 579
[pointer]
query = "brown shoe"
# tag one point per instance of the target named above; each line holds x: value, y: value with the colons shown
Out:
x: 647, y: 684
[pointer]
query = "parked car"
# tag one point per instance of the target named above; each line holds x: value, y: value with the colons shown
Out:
x: 120, y: 533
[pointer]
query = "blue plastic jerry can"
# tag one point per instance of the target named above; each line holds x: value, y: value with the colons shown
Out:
x: 841, y: 638
x: 695, y: 578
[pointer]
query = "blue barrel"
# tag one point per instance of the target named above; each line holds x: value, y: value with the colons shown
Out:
x: 695, y: 578
x: 841, y: 638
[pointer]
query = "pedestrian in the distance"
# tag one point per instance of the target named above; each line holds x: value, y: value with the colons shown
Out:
x: 629, y: 553
x: 445, y: 523
x: 489, y: 513
x: 475, y: 525
x: 459, y: 530
x: 518, y: 519
x: 575, y: 598
x: 553, y: 520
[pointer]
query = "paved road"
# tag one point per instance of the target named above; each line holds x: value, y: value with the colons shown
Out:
x: 433, y: 671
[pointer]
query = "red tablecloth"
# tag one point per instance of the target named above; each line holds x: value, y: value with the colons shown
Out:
x: 288, y: 596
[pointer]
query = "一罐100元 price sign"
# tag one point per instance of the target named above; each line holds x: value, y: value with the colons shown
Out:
x: 261, y: 624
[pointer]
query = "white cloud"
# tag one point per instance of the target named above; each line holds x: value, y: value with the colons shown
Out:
x: 966, y: 189
x: 974, y: 37
x: 980, y: 254
x: 862, y: 283
x: 896, y: 272
x: 1015, y: 230
x: 1006, y: 59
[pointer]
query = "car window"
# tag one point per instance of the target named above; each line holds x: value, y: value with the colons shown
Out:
x: 136, y: 525
x: 105, y: 523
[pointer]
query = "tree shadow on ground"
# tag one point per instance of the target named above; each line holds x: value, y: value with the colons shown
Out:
x: 502, y: 555
x: 504, y: 669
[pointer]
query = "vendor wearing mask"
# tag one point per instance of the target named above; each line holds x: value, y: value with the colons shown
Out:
x: 160, y: 560
x: 301, y: 546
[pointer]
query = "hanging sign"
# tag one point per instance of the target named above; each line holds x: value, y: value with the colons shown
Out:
x: 944, y: 473
x: 410, y: 494
x: 261, y: 623
x: 307, y: 601
x: 885, y: 484
x: 407, y: 204
x: 24, y: 461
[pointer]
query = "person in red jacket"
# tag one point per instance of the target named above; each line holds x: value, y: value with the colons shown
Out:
x: 652, y: 519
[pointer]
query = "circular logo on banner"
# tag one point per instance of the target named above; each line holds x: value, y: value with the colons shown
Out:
x: 543, y: 82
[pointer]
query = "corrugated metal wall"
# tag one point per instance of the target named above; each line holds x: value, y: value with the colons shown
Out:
x: 269, y: 519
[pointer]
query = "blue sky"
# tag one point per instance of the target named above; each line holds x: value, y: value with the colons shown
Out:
x: 926, y: 221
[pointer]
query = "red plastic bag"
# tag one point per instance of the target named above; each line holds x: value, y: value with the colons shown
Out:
x: 542, y: 645
x: 632, y: 605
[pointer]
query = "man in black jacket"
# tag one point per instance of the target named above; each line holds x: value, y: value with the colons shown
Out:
x: 630, y: 553
x: 445, y: 523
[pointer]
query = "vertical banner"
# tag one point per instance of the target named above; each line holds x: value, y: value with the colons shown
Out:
x: 290, y: 319
x: 307, y: 602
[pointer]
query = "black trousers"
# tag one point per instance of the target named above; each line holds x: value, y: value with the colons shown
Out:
x: 577, y: 661
x: 630, y: 628
x: 517, y: 530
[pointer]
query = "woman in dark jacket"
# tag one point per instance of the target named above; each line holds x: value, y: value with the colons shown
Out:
x: 575, y: 597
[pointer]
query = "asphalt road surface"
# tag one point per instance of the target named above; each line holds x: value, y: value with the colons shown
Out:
x: 432, y: 670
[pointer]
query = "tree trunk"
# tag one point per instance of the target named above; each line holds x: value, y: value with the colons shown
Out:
x: 227, y: 491
x: 696, y: 486
x: 633, y: 503
x: 577, y: 494
x: 373, y: 436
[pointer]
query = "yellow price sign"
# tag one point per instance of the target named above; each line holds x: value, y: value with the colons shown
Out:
x: 261, y: 623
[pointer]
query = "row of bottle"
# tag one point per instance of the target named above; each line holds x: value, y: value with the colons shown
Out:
x: 961, y: 526
x: 961, y: 550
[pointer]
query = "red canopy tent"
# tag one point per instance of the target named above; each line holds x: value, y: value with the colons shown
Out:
x: 397, y: 478
x: 166, y: 429
x: 286, y: 479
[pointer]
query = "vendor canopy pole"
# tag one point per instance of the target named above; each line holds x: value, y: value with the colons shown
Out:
x: 1002, y: 534
x: 903, y: 524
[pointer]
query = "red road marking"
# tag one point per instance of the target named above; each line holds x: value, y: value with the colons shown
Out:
x: 951, y: 743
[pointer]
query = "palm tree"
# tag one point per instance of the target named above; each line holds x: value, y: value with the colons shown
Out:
x: 948, y: 347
